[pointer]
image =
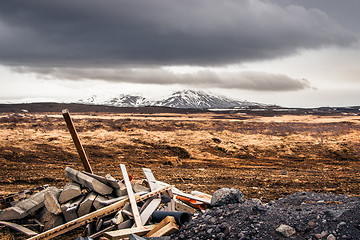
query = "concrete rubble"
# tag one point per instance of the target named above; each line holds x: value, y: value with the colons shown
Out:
x: 88, y: 194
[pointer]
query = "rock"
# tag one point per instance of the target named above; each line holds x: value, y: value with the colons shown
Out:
x: 27, y: 206
x: 88, y: 181
x: 321, y: 235
x: 331, y: 237
x: 227, y: 196
x: 286, y: 230
x: 50, y: 220
x: 52, y: 204
x: 71, y: 191
x: 86, y: 204
x: 334, y: 214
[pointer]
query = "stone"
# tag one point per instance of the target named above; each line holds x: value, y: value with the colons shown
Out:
x: 321, y: 235
x: 50, y: 220
x: 331, y: 237
x: 85, y: 205
x: 139, y: 188
x: 225, y: 196
x: 286, y: 230
x: 97, y: 202
x: 69, y: 209
x: 70, y: 191
x: 88, y: 181
x: 27, y: 206
x: 52, y: 204
x: 13, y: 213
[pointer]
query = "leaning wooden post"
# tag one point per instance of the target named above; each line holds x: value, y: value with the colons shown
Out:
x: 76, y: 140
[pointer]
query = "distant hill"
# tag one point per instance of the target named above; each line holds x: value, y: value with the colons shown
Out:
x: 180, y: 99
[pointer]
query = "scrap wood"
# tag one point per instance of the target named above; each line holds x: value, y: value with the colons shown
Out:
x: 93, y: 216
x: 131, y: 196
x: 19, y: 228
x: 180, y: 193
x: 192, y: 203
x: 166, y: 227
x: 124, y: 233
x: 76, y: 140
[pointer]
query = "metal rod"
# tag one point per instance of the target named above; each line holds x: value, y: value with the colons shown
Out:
x: 76, y: 140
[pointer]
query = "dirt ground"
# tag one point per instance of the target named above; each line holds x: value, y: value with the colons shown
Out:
x: 264, y: 157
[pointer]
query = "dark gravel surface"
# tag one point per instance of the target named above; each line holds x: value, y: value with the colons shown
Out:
x: 305, y: 216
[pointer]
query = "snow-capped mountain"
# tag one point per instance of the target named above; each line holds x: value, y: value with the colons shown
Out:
x: 180, y: 99
x: 199, y: 99
x: 127, y: 101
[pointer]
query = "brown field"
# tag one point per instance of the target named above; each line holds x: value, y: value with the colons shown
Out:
x: 264, y: 157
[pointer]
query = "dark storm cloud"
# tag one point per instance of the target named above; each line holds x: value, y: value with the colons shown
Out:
x: 257, y: 81
x: 87, y: 33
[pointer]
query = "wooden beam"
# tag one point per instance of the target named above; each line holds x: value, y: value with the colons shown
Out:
x: 76, y: 140
x: 19, y: 228
x: 151, y: 179
x: 102, y: 212
x: 166, y: 226
x: 124, y: 233
x: 131, y: 196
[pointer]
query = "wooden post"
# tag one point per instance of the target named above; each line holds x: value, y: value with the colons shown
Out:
x: 76, y: 140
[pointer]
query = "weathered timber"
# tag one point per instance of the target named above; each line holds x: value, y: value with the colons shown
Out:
x: 76, y: 140
x: 88, y: 181
x: 124, y: 233
x: 19, y: 228
x: 105, y: 211
x: 131, y: 195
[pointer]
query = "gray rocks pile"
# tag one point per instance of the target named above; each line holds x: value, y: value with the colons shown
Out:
x: 53, y: 207
x: 303, y: 215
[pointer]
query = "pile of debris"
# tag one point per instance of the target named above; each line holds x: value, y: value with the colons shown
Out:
x: 106, y: 206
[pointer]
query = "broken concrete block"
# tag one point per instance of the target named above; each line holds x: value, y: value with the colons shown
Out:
x: 12, y: 213
x: 86, y: 204
x: 27, y: 206
x: 71, y: 191
x: 50, y: 220
x: 139, y: 188
x: 52, y: 204
x: 69, y: 209
x: 88, y: 181
x: 113, y: 182
x: 97, y: 202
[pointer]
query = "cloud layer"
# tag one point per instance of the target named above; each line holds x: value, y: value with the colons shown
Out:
x: 87, y: 33
x: 257, y: 81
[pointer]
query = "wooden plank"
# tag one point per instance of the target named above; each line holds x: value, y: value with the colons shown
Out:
x: 163, y: 223
x: 102, y: 212
x: 124, y: 233
x: 131, y: 196
x: 19, y: 228
x: 151, y: 179
x: 146, y: 214
x: 180, y: 193
x: 76, y: 140
x: 167, y: 230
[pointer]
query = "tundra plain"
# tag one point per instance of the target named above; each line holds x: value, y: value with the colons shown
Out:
x: 264, y: 157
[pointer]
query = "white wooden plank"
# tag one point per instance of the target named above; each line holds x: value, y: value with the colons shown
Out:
x: 131, y: 196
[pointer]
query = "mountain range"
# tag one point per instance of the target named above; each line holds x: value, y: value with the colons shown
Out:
x: 179, y: 99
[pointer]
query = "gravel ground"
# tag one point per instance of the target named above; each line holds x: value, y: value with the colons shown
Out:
x: 303, y: 215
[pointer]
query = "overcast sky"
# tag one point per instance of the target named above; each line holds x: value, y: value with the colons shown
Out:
x: 288, y: 52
